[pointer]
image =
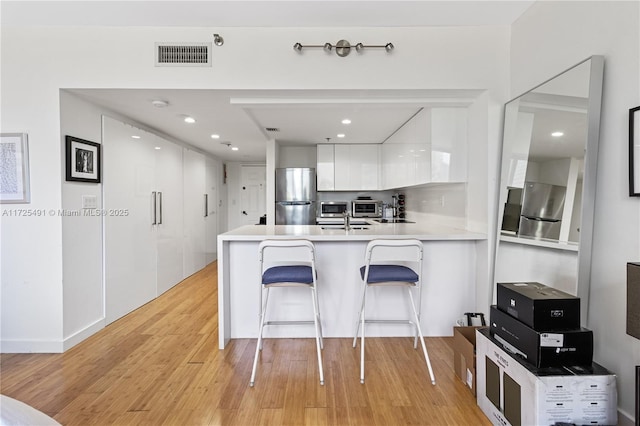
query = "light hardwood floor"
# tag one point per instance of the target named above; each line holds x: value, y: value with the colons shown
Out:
x: 160, y: 365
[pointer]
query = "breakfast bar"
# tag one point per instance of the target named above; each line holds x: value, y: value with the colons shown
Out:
x: 448, y: 277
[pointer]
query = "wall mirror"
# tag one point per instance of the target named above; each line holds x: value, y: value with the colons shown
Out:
x: 547, y: 183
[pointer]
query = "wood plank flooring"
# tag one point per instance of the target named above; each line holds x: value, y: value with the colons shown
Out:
x: 160, y: 365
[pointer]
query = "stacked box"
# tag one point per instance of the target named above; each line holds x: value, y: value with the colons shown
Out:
x: 541, y: 324
x: 513, y: 392
x: 540, y: 307
x: 542, y: 349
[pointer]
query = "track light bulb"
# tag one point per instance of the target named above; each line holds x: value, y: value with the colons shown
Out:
x: 388, y: 47
x: 359, y: 47
x: 218, y: 40
x: 297, y: 47
x: 327, y: 47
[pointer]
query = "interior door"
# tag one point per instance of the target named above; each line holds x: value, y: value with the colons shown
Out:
x: 211, y: 219
x: 129, y: 237
x: 194, y: 211
x: 253, y: 197
x: 168, y: 187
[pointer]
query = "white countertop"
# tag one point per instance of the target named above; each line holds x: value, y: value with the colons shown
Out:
x: 420, y: 231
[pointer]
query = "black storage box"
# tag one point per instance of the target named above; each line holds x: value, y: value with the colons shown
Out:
x: 541, y: 307
x: 542, y: 349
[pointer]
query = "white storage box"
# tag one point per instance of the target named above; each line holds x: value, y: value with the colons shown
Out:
x: 510, y: 392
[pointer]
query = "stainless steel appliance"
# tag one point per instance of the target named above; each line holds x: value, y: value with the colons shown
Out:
x: 295, y: 196
x: 366, y: 208
x: 541, y: 213
x: 330, y: 209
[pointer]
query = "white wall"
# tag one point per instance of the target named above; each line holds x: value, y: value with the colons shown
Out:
x: 297, y: 156
x: 38, y: 61
x: 548, y: 38
x: 81, y: 236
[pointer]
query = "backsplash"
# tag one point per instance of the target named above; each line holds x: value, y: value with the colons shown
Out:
x: 445, y: 202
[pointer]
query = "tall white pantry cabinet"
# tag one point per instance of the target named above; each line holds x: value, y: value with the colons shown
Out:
x: 162, y: 238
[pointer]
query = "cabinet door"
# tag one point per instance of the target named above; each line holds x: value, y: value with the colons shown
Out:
x: 211, y: 208
x: 449, y: 145
x: 325, y: 167
x: 130, y: 240
x: 168, y: 186
x: 194, y: 212
x: 356, y: 167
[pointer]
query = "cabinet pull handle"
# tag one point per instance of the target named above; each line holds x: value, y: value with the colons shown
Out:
x: 160, y: 202
x: 206, y: 205
x: 154, y: 196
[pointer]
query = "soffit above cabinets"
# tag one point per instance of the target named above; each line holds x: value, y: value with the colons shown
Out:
x: 241, y: 117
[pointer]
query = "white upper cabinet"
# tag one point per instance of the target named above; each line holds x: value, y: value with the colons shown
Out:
x: 325, y: 169
x: 431, y: 147
x: 348, y: 167
x: 356, y: 167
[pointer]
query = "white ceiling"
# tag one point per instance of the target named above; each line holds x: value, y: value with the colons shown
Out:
x: 241, y: 116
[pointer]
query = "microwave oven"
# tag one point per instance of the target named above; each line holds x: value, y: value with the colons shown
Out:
x: 333, y: 208
x: 366, y: 208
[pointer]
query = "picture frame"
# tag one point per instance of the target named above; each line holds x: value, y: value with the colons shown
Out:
x: 634, y: 152
x: 14, y: 169
x: 82, y: 160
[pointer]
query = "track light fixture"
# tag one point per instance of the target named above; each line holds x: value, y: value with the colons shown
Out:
x: 343, y: 47
x: 218, y: 40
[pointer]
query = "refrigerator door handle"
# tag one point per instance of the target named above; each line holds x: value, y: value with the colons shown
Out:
x: 160, y: 203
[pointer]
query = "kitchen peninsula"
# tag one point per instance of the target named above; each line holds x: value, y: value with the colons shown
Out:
x: 448, y: 277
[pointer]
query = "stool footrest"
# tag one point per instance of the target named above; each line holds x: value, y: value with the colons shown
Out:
x: 389, y: 322
x: 289, y: 322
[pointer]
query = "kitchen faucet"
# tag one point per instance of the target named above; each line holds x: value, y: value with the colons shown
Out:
x: 347, y: 220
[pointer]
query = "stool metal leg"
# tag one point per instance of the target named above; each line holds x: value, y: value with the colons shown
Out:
x: 316, y: 321
x: 424, y: 347
x: 317, y: 307
x: 355, y: 333
x: 263, y: 310
x: 362, y: 336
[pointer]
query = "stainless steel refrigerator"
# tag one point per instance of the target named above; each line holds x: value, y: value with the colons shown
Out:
x: 296, y: 196
x: 542, y: 207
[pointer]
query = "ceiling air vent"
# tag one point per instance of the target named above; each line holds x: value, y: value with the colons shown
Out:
x: 272, y: 129
x: 183, y: 54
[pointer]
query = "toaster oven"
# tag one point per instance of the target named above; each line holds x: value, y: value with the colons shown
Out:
x: 366, y: 208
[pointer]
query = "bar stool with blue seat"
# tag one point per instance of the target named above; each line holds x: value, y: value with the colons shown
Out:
x: 288, y: 263
x: 393, y: 263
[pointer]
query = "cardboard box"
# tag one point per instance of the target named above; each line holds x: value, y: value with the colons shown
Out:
x: 464, y: 355
x: 511, y: 392
x: 542, y: 349
x: 541, y: 307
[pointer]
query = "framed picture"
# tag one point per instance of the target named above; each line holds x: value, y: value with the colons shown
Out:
x: 634, y: 152
x: 14, y: 168
x: 83, y: 160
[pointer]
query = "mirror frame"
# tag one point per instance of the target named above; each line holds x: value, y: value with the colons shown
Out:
x: 594, y: 105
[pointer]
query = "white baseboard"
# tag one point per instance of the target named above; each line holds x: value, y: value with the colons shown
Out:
x: 50, y: 346
x: 79, y: 336
x: 624, y: 419
x: 30, y: 346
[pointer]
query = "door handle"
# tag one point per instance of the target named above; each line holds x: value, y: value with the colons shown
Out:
x: 155, y: 205
x: 244, y: 212
x: 160, y: 202
x: 206, y: 205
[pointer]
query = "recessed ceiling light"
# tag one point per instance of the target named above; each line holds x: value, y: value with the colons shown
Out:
x: 340, y: 135
x: 215, y: 136
x: 135, y: 137
x: 158, y: 103
x: 346, y: 121
x: 557, y: 134
x: 157, y: 147
x: 234, y: 148
x: 189, y: 119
